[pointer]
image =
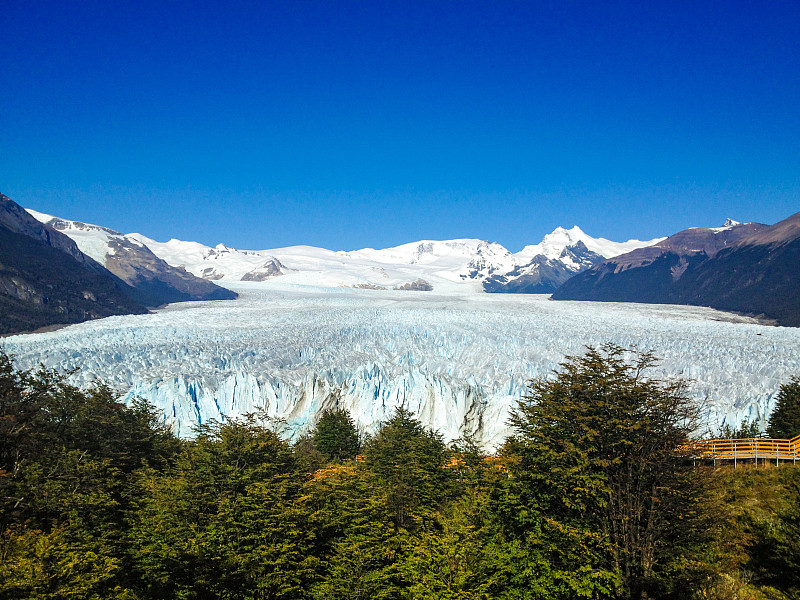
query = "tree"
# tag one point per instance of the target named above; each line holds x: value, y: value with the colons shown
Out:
x: 224, y: 520
x: 746, y: 429
x: 784, y: 422
x: 408, y: 459
x: 306, y: 455
x: 67, y: 460
x: 754, y: 551
x: 597, y: 456
x: 460, y: 554
x: 37, y: 564
x: 354, y: 538
x: 336, y: 435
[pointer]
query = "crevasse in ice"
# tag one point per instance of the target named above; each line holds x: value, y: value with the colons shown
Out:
x: 458, y: 361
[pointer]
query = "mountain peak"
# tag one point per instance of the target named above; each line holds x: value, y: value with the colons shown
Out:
x: 553, y: 244
x: 574, y: 231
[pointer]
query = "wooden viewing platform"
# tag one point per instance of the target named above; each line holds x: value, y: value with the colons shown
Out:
x: 744, y: 449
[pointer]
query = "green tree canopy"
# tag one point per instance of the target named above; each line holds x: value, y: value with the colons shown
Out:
x: 784, y: 422
x: 596, y: 446
x: 336, y: 435
x: 224, y: 521
x: 67, y: 460
x: 408, y: 459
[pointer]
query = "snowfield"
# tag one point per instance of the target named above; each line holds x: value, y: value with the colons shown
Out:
x: 444, y: 261
x: 458, y: 360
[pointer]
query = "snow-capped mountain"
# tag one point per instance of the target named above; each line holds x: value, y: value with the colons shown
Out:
x: 470, y: 263
x: 553, y: 244
x: 543, y: 275
x: 745, y: 267
x: 180, y: 270
x: 541, y: 268
x: 155, y: 282
x: 45, y: 280
x: 443, y: 262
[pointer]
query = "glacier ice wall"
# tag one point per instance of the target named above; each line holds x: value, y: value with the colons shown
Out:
x: 458, y: 361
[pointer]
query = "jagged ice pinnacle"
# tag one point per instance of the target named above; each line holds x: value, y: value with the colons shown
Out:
x: 459, y: 361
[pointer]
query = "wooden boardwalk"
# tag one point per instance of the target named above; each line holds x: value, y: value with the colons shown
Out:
x: 754, y: 450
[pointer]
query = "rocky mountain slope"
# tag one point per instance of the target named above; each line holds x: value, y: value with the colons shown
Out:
x: 543, y: 275
x: 45, y: 280
x: 154, y: 282
x: 750, y: 268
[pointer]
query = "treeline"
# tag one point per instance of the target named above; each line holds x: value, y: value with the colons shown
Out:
x: 588, y: 499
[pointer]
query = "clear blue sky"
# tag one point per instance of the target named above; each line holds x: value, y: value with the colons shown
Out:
x: 370, y: 123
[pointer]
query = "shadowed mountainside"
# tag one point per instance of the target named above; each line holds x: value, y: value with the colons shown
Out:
x: 153, y: 281
x: 45, y: 280
x: 749, y: 268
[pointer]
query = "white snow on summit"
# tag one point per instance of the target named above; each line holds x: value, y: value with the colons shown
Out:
x: 153, y: 280
x: 447, y: 265
x: 554, y: 244
x: 93, y: 240
x: 728, y: 224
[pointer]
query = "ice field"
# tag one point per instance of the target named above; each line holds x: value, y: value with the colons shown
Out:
x: 458, y: 360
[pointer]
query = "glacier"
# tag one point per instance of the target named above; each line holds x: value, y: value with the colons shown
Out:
x: 458, y: 360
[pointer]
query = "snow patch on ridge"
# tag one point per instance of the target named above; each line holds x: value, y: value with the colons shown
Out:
x: 93, y: 240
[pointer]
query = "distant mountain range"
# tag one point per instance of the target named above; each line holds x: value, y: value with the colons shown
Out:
x: 47, y: 278
x: 154, y: 282
x: 440, y: 265
x: 743, y: 267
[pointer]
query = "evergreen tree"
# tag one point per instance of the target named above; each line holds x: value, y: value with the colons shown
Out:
x: 306, y: 455
x: 597, y: 458
x: 408, y: 459
x: 746, y: 429
x: 225, y: 521
x: 354, y: 537
x: 67, y: 461
x: 784, y: 422
x: 336, y: 435
x: 461, y: 553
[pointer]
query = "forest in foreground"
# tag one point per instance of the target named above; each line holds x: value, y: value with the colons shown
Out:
x: 589, y: 498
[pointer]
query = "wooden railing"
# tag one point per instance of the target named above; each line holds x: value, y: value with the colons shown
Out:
x: 744, y: 449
